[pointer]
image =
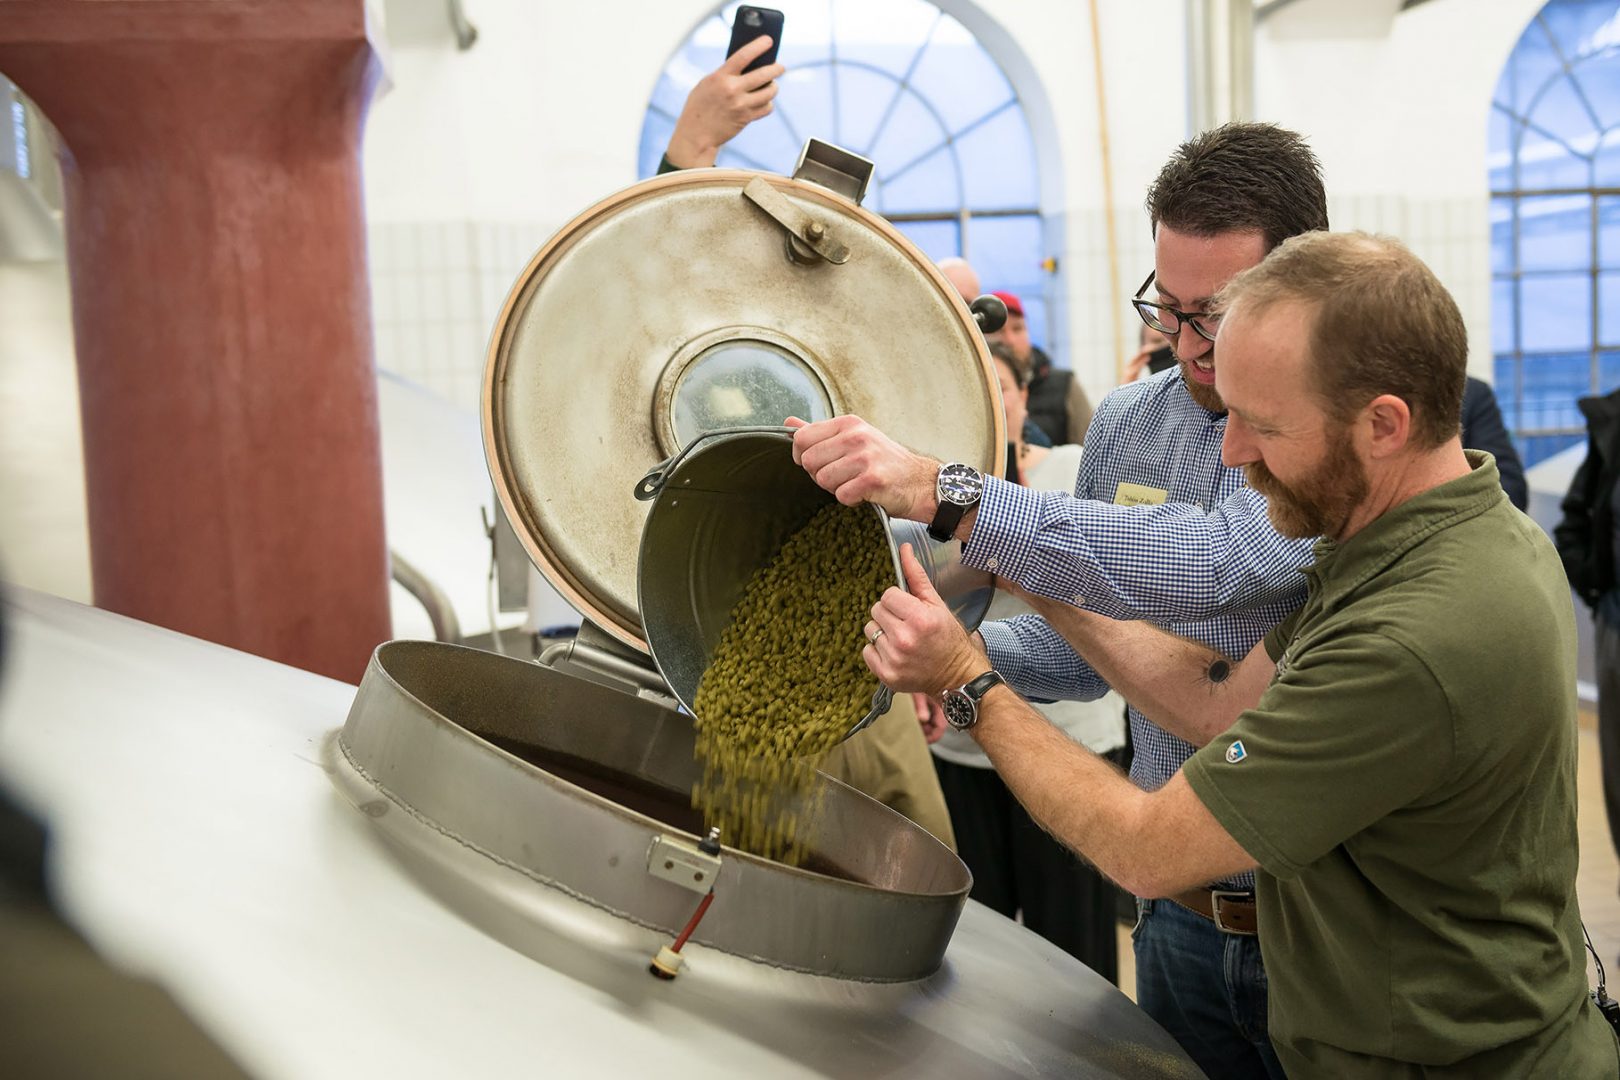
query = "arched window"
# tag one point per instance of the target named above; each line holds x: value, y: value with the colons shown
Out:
x: 902, y: 83
x: 1555, y: 222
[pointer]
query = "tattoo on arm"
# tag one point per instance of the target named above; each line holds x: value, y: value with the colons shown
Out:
x: 1220, y: 669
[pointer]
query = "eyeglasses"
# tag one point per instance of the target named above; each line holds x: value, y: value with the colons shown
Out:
x: 1167, y: 320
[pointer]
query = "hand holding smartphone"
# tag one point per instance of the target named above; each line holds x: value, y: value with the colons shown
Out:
x: 756, y: 22
x: 734, y: 95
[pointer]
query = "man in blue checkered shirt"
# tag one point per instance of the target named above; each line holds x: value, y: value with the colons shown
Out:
x: 1158, y: 529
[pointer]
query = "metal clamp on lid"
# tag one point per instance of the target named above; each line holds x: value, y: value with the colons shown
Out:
x: 808, y: 238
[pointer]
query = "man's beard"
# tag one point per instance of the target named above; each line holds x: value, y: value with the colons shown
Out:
x: 1205, y: 397
x: 1321, y: 503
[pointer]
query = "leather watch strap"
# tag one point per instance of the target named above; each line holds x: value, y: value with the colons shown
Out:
x: 981, y: 686
x: 946, y: 519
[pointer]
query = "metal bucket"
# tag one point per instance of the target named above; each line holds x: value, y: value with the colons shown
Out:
x: 721, y: 509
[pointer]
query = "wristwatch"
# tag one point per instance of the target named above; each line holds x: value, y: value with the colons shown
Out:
x: 962, y: 703
x: 958, y: 489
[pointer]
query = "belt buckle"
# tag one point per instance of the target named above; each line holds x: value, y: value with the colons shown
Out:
x: 1215, y: 898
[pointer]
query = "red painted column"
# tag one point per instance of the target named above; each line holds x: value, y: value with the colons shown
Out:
x: 221, y: 309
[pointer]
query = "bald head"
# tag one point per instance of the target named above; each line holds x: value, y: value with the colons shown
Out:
x: 961, y: 275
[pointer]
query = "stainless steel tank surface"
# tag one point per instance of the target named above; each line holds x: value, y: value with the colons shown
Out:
x: 197, y: 841
x: 536, y: 820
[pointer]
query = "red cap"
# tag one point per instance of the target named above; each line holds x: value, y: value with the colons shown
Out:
x: 1015, y: 306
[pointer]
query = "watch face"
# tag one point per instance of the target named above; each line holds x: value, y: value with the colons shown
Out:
x: 960, y: 711
x: 960, y: 484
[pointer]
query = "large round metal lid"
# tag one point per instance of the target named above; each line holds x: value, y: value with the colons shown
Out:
x: 679, y: 306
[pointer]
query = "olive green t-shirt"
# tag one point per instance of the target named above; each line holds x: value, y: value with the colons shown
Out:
x: 1407, y: 785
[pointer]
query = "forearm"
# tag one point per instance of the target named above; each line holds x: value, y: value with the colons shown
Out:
x: 690, y: 150
x: 1152, y: 844
x: 1184, y: 686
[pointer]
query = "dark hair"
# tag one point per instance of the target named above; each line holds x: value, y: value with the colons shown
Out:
x: 1383, y: 324
x: 1241, y: 176
x: 1021, y: 373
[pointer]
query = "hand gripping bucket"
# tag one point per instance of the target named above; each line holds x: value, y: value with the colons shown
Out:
x: 720, y: 510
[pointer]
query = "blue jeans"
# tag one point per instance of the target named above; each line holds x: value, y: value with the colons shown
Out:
x: 1206, y: 988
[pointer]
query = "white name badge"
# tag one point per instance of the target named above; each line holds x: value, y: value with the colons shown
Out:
x: 1138, y: 495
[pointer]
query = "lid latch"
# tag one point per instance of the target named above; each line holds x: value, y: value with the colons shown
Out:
x: 808, y: 239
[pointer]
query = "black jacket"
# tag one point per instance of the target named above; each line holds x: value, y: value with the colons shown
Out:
x: 1585, y: 537
x: 1057, y: 404
x: 1482, y: 429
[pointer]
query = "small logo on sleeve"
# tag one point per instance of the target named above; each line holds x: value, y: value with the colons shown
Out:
x: 1236, y: 752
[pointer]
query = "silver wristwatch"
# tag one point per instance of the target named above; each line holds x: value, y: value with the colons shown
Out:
x: 962, y: 703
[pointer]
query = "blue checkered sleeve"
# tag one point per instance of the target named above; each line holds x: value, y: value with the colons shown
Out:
x: 1171, y: 563
x: 1207, y: 551
x: 1038, y: 662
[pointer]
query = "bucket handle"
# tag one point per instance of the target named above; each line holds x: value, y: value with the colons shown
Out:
x: 649, y: 486
x: 881, y: 700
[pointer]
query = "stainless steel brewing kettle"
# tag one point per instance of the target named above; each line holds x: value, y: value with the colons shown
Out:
x: 704, y: 300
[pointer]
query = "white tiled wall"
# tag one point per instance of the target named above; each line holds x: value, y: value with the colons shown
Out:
x: 436, y: 290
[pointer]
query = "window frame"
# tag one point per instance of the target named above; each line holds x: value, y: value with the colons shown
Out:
x: 1521, y: 122
x: 963, y: 215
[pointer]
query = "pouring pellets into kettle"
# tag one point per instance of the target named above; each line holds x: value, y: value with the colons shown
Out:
x: 787, y: 680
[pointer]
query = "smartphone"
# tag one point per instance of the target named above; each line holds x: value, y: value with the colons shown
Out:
x: 751, y: 22
x: 1160, y: 359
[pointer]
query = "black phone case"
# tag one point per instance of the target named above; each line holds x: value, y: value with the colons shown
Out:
x: 743, y: 31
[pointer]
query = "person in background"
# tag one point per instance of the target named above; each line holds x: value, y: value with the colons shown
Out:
x: 1588, y: 541
x: 719, y: 106
x: 889, y: 760
x: 966, y: 283
x: 962, y: 277
x: 1018, y: 868
x: 1057, y: 402
x: 1154, y: 354
x: 1482, y: 429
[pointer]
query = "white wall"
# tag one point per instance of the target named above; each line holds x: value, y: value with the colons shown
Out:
x: 474, y: 158
x: 1399, y: 120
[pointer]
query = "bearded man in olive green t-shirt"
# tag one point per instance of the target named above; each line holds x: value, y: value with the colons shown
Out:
x: 1398, y: 758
